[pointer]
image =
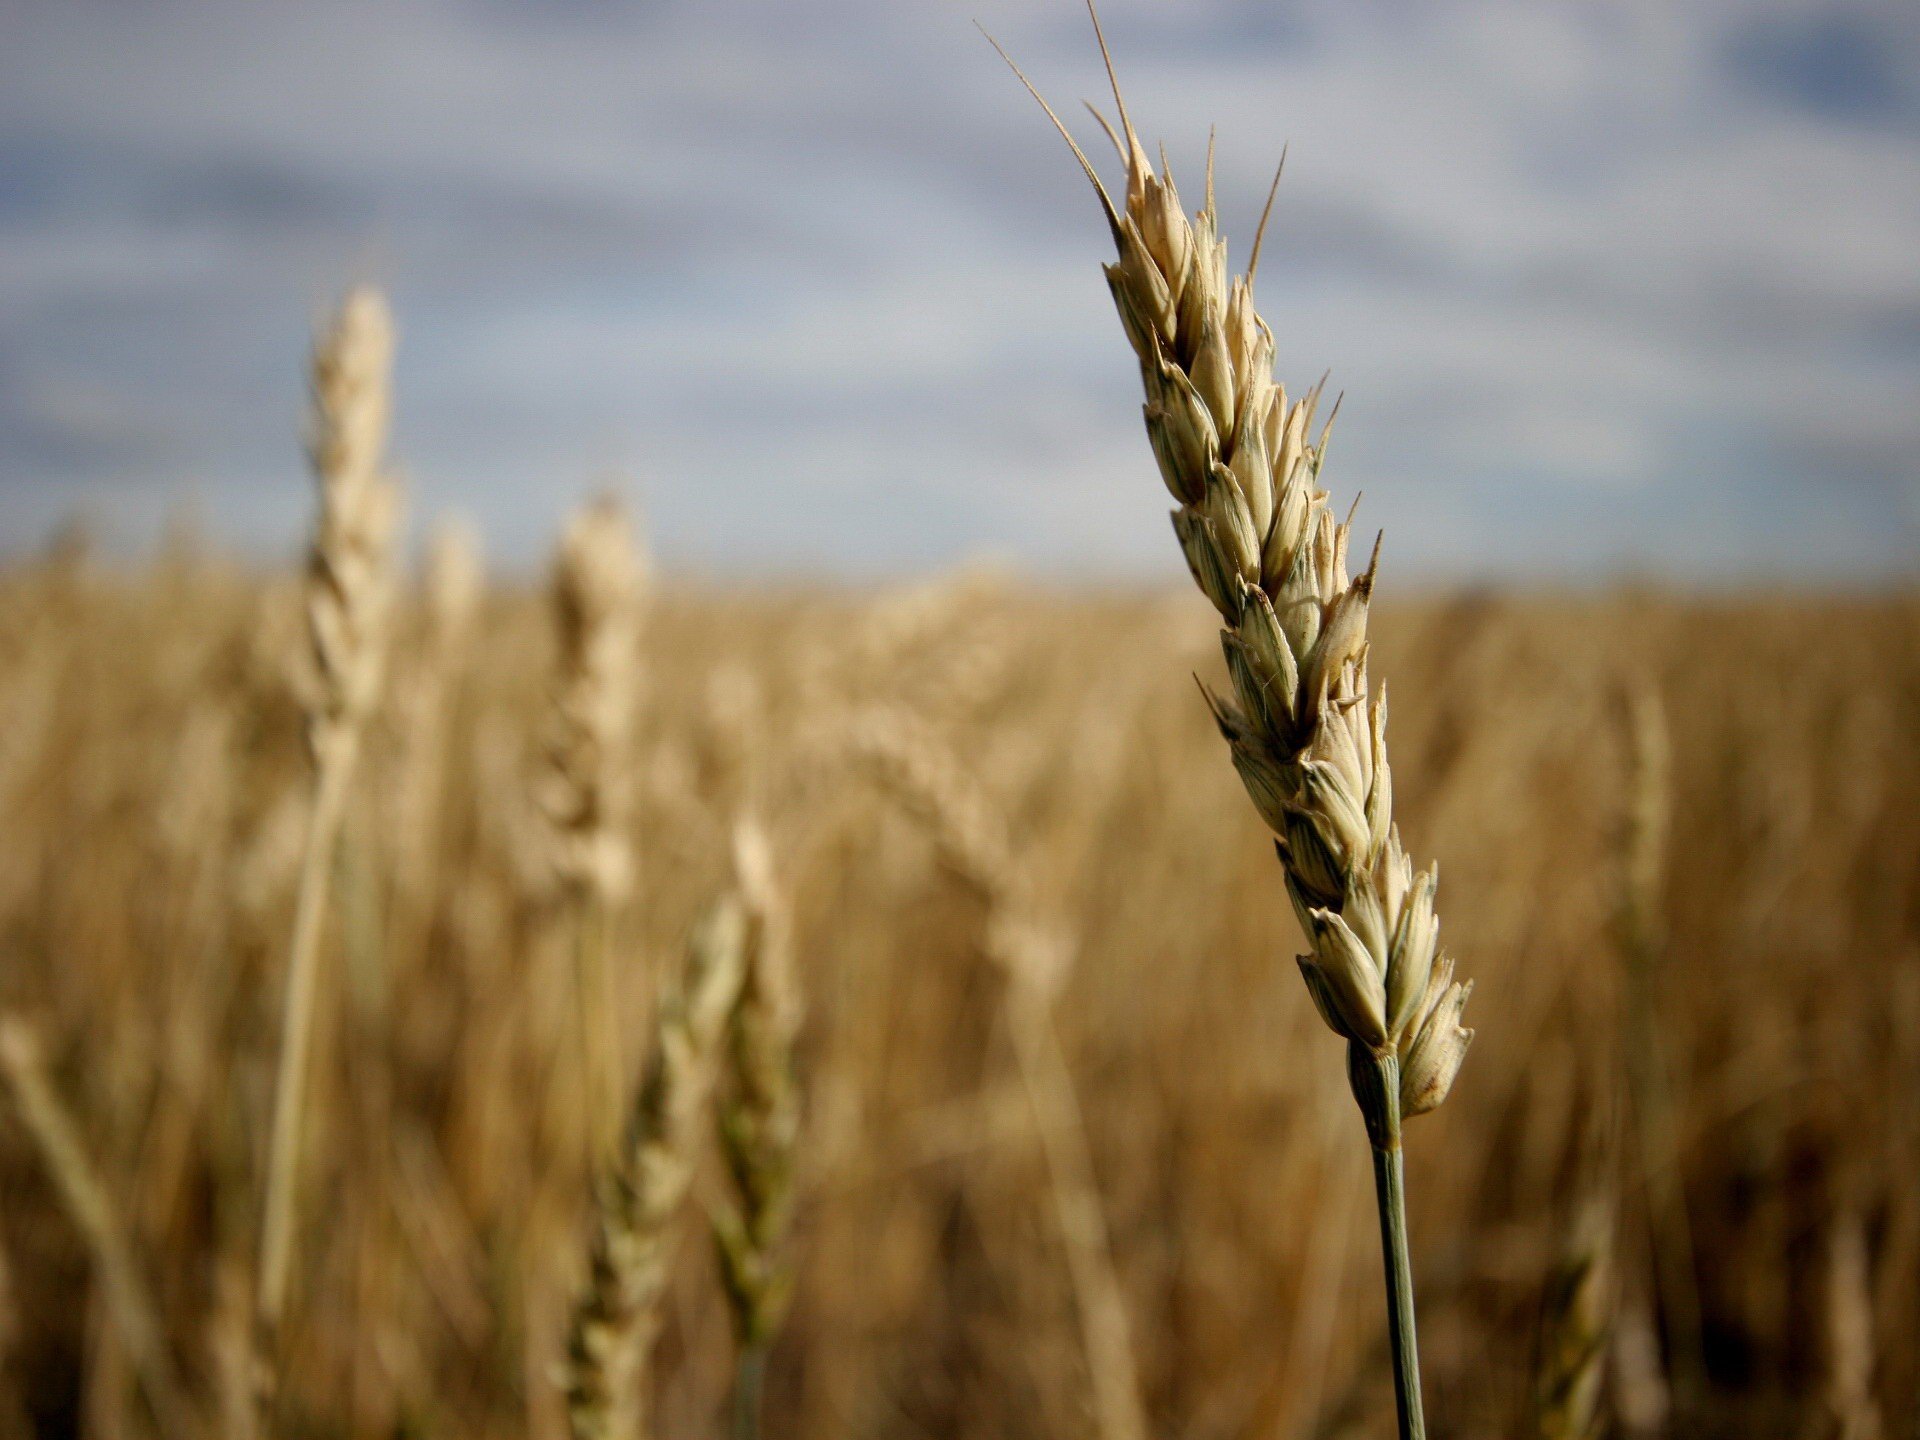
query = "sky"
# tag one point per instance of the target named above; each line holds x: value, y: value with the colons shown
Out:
x: 1610, y: 287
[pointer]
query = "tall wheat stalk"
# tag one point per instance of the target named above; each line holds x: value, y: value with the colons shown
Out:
x: 1853, y: 1410
x: 348, y: 604
x: 1640, y: 934
x: 1243, y: 468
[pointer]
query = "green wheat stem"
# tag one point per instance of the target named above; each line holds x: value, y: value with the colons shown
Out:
x: 1380, y: 1104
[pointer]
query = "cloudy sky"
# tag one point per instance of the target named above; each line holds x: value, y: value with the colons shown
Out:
x: 1609, y: 286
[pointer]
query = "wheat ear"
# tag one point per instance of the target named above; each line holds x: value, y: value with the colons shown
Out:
x: 642, y: 1192
x: 349, y: 604
x: 931, y: 784
x: 596, y: 589
x: 759, y: 1125
x: 1243, y: 466
x: 85, y: 1195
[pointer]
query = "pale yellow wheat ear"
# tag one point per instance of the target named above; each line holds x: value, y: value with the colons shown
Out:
x: 95, y: 1216
x: 598, y: 583
x: 1033, y: 952
x: 349, y: 595
x: 1243, y: 465
x: 758, y: 1126
x: 350, y: 576
x: 641, y: 1192
x: 597, y: 589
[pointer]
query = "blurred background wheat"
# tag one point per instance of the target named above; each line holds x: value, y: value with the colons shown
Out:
x: 156, y: 785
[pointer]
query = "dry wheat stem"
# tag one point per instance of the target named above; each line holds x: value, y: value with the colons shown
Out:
x: 349, y: 598
x: 641, y: 1194
x: 88, y: 1205
x: 1576, y: 1327
x: 932, y: 785
x: 758, y: 1124
x: 1641, y: 939
x: 1243, y: 466
x: 1852, y: 1406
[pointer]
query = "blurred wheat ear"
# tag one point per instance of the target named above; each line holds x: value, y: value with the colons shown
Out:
x: 596, y: 593
x: 758, y: 1127
x: 642, y: 1191
x: 349, y: 615
x: 1243, y: 468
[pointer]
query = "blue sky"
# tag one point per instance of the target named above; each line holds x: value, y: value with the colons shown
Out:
x: 1610, y: 287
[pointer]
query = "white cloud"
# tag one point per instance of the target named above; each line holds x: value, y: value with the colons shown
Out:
x: 821, y: 275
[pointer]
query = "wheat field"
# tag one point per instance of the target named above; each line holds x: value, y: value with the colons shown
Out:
x: 1760, y: 997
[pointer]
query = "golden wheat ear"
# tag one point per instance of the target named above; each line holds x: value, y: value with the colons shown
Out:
x: 1302, y: 729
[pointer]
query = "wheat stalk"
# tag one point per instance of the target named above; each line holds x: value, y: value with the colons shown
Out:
x: 1243, y: 467
x: 91, y: 1208
x: 348, y: 604
x: 932, y: 785
x: 1576, y: 1328
x: 1852, y: 1407
x: 642, y: 1192
x: 758, y: 1124
x: 1641, y: 941
x: 596, y: 591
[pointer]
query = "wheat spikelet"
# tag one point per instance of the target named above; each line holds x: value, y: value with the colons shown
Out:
x: 642, y: 1193
x: 1243, y: 465
x: 348, y: 603
x: 92, y: 1211
x: 1308, y: 741
x: 758, y: 1125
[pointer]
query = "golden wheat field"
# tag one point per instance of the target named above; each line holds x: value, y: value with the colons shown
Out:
x: 1064, y: 1104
